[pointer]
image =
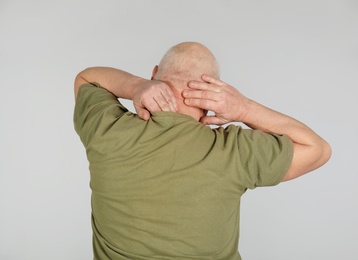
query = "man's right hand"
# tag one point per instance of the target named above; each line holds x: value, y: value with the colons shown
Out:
x: 153, y: 96
x: 148, y: 95
x: 228, y: 104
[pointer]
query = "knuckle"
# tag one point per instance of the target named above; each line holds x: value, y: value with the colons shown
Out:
x: 221, y: 96
x: 211, y: 87
x: 203, y: 103
x: 152, y: 88
x: 204, y: 94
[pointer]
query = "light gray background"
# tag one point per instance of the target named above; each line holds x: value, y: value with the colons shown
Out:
x: 298, y: 57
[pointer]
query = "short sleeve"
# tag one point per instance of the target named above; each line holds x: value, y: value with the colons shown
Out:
x: 96, y: 110
x: 264, y: 158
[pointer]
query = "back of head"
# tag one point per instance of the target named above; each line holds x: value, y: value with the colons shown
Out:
x: 187, y: 61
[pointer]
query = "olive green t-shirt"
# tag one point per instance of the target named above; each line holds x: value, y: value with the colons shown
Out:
x: 170, y: 187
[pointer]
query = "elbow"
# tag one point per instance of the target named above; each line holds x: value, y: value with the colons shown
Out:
x: 80, y: 80
x: 308, y: 158
x: 323, y: 153
x: 82, y: 75
x: 326, y: 152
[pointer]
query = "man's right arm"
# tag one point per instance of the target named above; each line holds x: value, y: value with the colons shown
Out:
x: 229, y: 105
x: 148, y: 95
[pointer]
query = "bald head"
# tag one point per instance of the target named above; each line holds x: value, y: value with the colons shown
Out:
x: 183, y: 63
x: 187, y: 61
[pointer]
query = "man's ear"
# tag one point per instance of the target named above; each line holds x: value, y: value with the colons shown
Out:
x: 155, y: 70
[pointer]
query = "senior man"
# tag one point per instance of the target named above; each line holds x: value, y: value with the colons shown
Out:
x: 164, y: 184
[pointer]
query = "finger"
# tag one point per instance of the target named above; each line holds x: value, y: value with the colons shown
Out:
x: 143, y: 113
x: 212, y: 80
x: 162, y: 103
x: 170, y: 99
x: 204, y: 86
x: 209, y: 120
x: 205, y: 104
x: 151, y: 105
x: 202, y: 94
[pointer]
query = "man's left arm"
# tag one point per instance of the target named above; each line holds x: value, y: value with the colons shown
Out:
x: 148, y: 95
x: 310, y: 151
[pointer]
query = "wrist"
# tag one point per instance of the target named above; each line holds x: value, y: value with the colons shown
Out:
x: 245, y: 110
x: 134, y: 87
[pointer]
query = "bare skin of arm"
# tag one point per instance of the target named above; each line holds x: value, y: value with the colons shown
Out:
x: 148, y: 95
x: 229, y: 105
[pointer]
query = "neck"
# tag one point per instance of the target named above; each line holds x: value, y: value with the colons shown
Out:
x: 178, y: 87
x: 194, y: 112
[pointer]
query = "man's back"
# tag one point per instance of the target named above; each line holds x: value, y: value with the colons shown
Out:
x: 170, y: 187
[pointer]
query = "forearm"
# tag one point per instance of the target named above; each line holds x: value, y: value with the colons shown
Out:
x: 270, y: 121
x: 310, y: 150
x: 148, y: 96
x: 122, y: 84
